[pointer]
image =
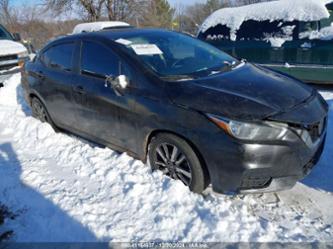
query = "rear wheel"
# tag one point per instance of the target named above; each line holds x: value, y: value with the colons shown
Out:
x: 39, y: 111
x: 177, y: 160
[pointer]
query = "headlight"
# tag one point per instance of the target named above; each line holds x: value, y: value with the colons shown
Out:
x: 22, y: 54
x: 264, y: 131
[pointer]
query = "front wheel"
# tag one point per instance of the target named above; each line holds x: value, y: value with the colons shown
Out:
x: 177, y: 160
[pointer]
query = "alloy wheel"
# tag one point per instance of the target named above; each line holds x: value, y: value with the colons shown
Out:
x: 173, y: 163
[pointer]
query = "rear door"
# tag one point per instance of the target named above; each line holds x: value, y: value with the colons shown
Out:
x: 100, y: 113
x: 55, y: 71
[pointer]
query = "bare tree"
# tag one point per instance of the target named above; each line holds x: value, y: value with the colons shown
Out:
x: 119, y: 9
x: 190, y: 18
x: 92, y: 8
x: 5, y: 12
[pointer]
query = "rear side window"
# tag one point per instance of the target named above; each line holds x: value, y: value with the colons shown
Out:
x: 98, y: 60
x: 59, y: 57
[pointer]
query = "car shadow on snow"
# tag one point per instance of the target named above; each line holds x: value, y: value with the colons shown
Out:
x: 322, y: 175
x: 40, y: 218
x: 21, y: 100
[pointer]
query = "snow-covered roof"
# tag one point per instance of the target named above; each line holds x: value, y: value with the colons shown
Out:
x: 97, y: 26
x: 287, y: 10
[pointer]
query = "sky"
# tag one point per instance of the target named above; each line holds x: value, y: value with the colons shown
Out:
x: 18, y: 2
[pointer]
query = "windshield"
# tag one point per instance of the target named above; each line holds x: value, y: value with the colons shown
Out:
x: 4, y: 34
x: 171, y: 54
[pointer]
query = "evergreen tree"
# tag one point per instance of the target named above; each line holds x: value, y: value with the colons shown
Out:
x: 159, y: 14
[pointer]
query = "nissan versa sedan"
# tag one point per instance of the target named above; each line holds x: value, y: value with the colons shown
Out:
x: 193, y: 112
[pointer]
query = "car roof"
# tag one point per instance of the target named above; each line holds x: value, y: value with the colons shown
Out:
x: 111, y: 34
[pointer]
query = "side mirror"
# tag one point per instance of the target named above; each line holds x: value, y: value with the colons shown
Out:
x: 119, y: 84
x: 17, y: 37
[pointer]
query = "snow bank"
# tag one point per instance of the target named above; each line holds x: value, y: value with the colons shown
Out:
x: 287, y: 10
x: 65, y: 189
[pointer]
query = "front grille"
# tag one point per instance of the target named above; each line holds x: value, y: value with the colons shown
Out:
x: 8, y: 62
x: 255, y: 182
x: 8, y: 57
x: 8, y: 67
x: 316, y: 130
x: 309, y: 166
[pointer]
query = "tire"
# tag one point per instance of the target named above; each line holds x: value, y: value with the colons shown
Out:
x: 181, y: 163
x: 40, y: 112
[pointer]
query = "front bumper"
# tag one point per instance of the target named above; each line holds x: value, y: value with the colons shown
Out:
x: 236, y: 167
x: 244, y: 167
x: 275, y: 181
x: 4, y: 75
x: 11, y: 67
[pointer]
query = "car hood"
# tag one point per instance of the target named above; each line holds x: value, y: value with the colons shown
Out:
x: 8, y: 47
x: 247, y: 93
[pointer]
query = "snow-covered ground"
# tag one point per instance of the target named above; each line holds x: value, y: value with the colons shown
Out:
x: 66, y: 189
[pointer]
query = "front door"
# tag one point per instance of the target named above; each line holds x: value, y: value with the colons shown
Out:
x: 101, y: 113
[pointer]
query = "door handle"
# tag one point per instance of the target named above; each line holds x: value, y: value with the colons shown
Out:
x: 40, y: 75
x: 79, y: 89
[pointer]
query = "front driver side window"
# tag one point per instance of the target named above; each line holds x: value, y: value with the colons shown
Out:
x: 98, y: 60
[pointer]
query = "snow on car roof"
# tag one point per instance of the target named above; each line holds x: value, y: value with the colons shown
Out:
x: 287, y: 10
x: 96, y: 26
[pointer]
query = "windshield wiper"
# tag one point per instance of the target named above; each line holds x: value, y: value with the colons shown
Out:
x: 179, y: 77
x: 227, y: 66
